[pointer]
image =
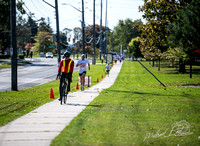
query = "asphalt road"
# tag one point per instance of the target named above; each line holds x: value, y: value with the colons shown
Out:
x: 41, y: 71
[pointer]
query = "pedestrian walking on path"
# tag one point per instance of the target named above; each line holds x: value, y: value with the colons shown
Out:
x: 41, y: 126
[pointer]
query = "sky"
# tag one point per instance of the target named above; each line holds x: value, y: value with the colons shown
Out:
x: 70, y: 18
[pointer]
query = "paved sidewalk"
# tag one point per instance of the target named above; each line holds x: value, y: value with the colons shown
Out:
x: 40, y: 126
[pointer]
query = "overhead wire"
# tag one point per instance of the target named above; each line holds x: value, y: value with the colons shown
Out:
x: 42, y: 7
x: 30, y: 12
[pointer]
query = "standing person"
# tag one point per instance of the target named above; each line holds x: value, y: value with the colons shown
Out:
x: 108, y: 67
x: 102, y: 58
x: 67, y: 66
x: 82, y: 70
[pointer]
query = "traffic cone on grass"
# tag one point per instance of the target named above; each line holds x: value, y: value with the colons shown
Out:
x: 105, y: 72
x: 102, y: 76
x: 97, y: 79
x: 77, y: 87
x: 51, y: 94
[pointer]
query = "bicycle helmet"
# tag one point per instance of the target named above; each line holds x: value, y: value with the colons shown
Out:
x: 67, y: 53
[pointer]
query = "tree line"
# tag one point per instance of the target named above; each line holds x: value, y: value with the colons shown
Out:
x: 171, y: 32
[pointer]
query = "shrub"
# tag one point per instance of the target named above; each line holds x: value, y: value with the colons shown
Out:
x: 4, y: 56
x: 21, y: 56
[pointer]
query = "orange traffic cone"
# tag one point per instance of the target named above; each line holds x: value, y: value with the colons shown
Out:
x: 51, y: 94
x: 97, y: 79
x: 105, y: 72
x: 102, y: 76
x: 77, y: 87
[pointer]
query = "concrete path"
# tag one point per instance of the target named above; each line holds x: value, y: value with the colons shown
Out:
x: 40, y: 126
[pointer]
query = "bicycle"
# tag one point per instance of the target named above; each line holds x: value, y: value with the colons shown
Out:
x: 64, y: 92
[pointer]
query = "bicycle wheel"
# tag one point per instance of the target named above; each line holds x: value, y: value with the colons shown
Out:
x: 63, y: 93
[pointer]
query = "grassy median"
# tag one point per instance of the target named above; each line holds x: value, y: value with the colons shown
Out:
x: 14, y: 104
x: 137, y: 110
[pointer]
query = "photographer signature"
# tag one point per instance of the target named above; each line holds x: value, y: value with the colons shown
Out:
x: 181, y: 128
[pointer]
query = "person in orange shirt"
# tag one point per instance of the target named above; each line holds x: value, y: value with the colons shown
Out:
x: 65, y: 69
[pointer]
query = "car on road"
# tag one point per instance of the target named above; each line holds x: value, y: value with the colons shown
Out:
x: 49, y: 55
x: 5, y: 53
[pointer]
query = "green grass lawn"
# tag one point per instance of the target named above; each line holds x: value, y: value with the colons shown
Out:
x: 14, y: 104
x: 137, y: 110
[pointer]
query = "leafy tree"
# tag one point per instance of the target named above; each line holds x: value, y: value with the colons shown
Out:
x: 89, y: 34
x: 63, y: 40
x: 33, y: 26
x: 5, y: 21
x: 23, y: 35
x: 185, y: 30
x: 89, y: 37
x: 174, y: 54
x: 43, y: 26
x: 124, y: 32
x: 159, y: 15
x: 134, y: 48
x: 43, y: 40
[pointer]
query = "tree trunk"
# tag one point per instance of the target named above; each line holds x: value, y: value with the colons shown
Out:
x: 153, y: 63
x: 181, y: 66
x: 190, y: 68
x: 159, y: 64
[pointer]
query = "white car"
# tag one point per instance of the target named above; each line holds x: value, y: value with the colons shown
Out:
x: 49, y: 55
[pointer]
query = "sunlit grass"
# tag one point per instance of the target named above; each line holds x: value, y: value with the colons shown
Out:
x: 137, y: 110
x: 14, y: 104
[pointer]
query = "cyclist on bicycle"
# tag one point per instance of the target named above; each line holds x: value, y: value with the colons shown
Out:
x: 82, y: 71
x: 67, y: 66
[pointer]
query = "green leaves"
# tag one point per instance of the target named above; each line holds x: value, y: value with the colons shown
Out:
x: 185, y: 30
x: 124, y: 32
x: 159, y: 15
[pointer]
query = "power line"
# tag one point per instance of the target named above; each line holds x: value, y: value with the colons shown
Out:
x: 30, y: 12
x: 43, y: 7
x: 37, y: 8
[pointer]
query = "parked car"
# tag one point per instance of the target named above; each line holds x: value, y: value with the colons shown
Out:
x: 5, y: 53
x: 49, y: 55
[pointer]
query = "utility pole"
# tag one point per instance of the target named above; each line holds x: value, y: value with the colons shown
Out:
x: 83, y: 27
x: 58, y: 31
x: 57, y: 28
x: 13, y: 45
x: 100, y: 44
x: 105, y: 51
x: 94, y: 59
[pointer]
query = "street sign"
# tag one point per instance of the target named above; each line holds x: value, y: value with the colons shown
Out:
x: 52, y: 47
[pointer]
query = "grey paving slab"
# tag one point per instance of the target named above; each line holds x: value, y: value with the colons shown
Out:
x: 42, y: 125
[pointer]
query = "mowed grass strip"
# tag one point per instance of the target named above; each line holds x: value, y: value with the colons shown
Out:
x: 137, y: 110
x: 14, y: 104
